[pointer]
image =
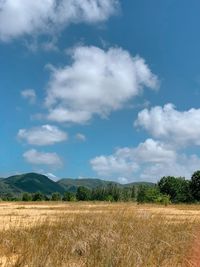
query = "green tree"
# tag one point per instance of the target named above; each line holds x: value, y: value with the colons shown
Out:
x: 56, y: 196
x: 165, y: 200
x: 148, y: 194
x: 9, y: 197
x: 133, y: 192
x: 126, y: 194
x: 38, y: 196
x: 83, y: 193
x: 114, y: 191
x: 109, y: 198
x: 178, y: 188
x: 69, y: 196
x: 26, y: 197
x: 152, y: 195
x: 195, y: 185
x: 141, y: 194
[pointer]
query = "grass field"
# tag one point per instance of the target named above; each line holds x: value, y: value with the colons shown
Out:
x: 98, y: 235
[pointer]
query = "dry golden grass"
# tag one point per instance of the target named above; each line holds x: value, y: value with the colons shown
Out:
x: 96, y: 235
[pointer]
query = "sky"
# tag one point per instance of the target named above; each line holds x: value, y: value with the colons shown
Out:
x: 100, y: 88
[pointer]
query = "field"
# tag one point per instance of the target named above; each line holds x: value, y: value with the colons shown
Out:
x: 98, y: 235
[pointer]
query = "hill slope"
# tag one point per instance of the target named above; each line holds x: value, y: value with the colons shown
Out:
x: 32, y: 182
x: 72, y: 184
x: 6, y: 189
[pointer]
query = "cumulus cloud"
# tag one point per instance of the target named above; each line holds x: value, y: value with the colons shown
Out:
x: 149, y: 161
x: 30, y: 95
x: 22, y: 17
x: 184, y: 165
x: 80, y: 137
x: 131, y: 162
x: 41, y: 158
x: 113, y: 165
x: 96, y: 83
x: 167, y: 123
x: 43, y: 135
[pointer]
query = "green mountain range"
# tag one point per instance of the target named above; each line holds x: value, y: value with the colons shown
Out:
x: 71, y: 185
x: 34, y: 182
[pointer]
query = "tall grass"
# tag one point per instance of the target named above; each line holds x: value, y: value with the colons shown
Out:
x: 118, y: 238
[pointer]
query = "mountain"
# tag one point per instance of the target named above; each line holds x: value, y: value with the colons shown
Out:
x: 6, y: 189
x: 32, y: 182
x: 139, y: 183
x: 72, y: 184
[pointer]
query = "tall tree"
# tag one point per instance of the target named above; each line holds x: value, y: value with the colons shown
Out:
x: 195, y: 185
x: 83, y: 193
x: 178, y: 188
x: 56, y: 196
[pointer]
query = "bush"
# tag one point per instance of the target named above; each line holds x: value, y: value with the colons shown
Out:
x: 178, y: 188
x: 83, y: 193
x: 69, y: 196
x: 109, y: 198
x: 195, y: 185
x: 26, y: 197
x: 148, y: 194
x: 38, y: 197
x: 56, y: 196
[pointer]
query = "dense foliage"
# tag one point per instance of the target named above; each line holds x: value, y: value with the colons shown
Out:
x: 195, y: 185
x: 168, y: 189
x: 178, y: 188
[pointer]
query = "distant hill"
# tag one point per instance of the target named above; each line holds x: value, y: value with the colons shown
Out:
x: 140, y: 183
x: 71, y: 185
x: 34, y: 182
x: 7, y: 189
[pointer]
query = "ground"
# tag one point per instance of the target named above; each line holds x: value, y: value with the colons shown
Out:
x: 98, y: 234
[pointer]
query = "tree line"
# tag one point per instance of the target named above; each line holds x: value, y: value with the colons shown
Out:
x: 169, y: 189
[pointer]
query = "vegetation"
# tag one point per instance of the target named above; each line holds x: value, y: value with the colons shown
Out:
x: 83, y: 193
x: 177, y: 188
x: 38, y: 196
x: 169, y: 189
x: 195, y: 185
x: 88, y: 235
x: 26, y: 197
x: 31, y: 183
x: 69, y: 196
x: 56, y: 196
x: 71, y: 185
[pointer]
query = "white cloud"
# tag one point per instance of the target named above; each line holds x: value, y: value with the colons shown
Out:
x: 112, y: 165
x: 127, y: 162
x: 51, y: 176
x: 184, y: 166
x: 97, y: 83
x: 153, y: 152
x: 41, y: 158
x: 149, y: 161
x: 80, y: 137
x: 22, y: 17
x: 29, y: 94
x: 43, y: 135
x: 179, y: 127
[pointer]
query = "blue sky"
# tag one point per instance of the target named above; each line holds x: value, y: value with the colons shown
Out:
x: 102, y: 88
